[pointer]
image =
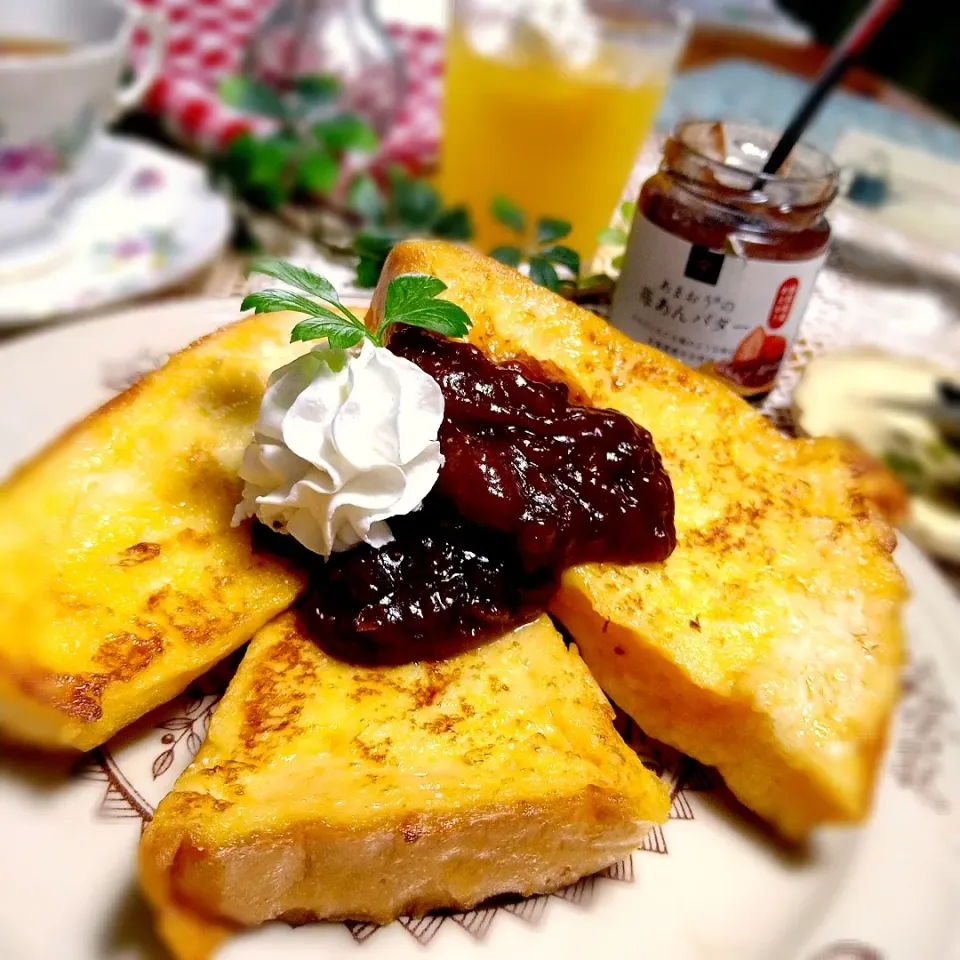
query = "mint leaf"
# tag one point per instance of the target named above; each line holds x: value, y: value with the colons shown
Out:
x: 317, y: 173
x: 257, y: 168
x: 508, y: 255
x: 364, y: 197
x: 269, y: 161
x: 299, y: 277
x: 414, y: 289
x: 550, y: 229
x: 339, y: 332
x: 453, y: 224
x: 627, y: 209
x: 564, y: 256
x: 542, y: 272
x: 251, y: 96
x: 416, y: 204
x: 509, y: 214
x: 346, y: 132
x: 411, y: 299
x: 440, y: 316
x: 303, y: 279
x: 271, y: 301
x: 236, y: 160
x: 614, y: 236
x: 617, y: 262
x: 374, y: 246
x: 314, y: 91
x: 368, y: 271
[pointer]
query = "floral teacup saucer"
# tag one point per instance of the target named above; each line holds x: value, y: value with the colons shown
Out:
x: 142, y: 220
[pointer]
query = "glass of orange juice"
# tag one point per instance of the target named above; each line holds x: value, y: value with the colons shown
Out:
x: 547, y: 103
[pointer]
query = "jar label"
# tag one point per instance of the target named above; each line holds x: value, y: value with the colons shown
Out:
x: 713, y: 311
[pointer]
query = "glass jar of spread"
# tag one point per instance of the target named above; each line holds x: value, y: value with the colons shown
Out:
x: 722, y: 259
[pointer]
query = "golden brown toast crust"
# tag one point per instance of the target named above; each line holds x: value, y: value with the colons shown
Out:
x: 331, y: 791
x: 769, y: 643
x: 878, y: 484
x: 123, y: 579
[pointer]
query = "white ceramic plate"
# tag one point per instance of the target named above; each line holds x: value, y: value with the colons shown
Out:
x: 711, y: 885
x: 143, y: 220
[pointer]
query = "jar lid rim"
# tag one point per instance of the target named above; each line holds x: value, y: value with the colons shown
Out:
x: 829, y: 172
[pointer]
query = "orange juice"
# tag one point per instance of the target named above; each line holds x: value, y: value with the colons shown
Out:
x: 558, y: 141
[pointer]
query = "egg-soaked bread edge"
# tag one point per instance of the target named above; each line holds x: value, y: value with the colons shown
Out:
x: 91, y: 630
x: 331, y: 791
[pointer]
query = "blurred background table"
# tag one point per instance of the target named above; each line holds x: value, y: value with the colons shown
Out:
x: 712, y: 53
x: 711, y: 45
x: 878, y: 288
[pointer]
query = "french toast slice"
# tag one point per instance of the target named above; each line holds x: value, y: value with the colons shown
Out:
x: 769, y: 643
x: 326, y: 790
x: 122, y: 577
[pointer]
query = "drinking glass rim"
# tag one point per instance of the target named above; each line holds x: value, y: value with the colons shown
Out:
x: 673, y: 23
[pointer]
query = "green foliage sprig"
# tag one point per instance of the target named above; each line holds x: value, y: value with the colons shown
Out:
x: 411, y: 298
x: 401, y: 207
x: 311, y: 176
x: 303, y: 159
x: 300, y: 172
x: 540, y: 251
x: 616, y: 235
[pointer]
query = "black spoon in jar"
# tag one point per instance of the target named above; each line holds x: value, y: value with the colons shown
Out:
x: 866, y: 27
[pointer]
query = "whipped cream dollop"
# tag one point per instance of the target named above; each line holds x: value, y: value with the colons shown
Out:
x: 345, y: 440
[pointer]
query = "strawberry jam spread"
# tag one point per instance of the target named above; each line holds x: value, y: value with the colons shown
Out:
x: 531, y: 483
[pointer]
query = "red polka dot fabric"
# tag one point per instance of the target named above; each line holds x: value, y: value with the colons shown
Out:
x: 205, y: 42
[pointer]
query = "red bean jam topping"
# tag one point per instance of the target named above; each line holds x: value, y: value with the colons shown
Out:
x: 441, y: 586
x: 571, y: 484
x: 530, y: 484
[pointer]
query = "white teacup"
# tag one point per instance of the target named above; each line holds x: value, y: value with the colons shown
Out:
x: 52, y: 104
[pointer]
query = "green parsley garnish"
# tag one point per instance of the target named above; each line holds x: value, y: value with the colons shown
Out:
x: 411, y: 298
